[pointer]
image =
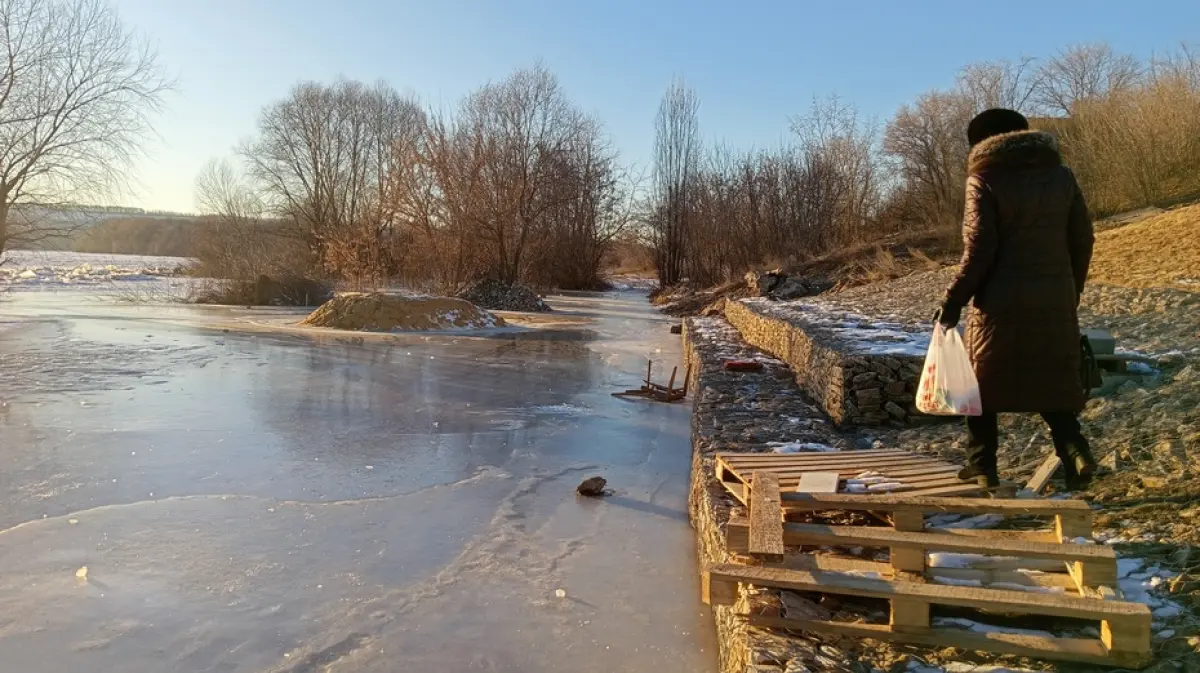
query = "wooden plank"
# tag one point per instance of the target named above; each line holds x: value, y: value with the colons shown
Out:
x: 737, y: 490
x: 766, y: 517
x: 770, y: 456
x: 1093, y: 573
x: 909, y: 616
x: 964, y: 489
x: 1030, y: 535
x: 899, y: 473
x: 1126, y: 638
x: 938, y: 594
x: 789, y: 484
x: 830, y: 562
x: 1081, y: 650
x: 878, y: 464
x: 912, y: 560
x: 983, y: 575
x: 796, y: 534
x: 1072, y: 525
x: 896, y: 503
x: 717, y: 593
x: 1037, y: 483
x: 816, y: 482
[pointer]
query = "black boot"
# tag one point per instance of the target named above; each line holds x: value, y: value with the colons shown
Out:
x: 1071, y: 476
x: 1081, y: 455
x: 983, y: 439
x: 1072, y: 448
x: 1082, y: 464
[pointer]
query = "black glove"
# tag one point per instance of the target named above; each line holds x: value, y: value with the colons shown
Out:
x: 948, y: 315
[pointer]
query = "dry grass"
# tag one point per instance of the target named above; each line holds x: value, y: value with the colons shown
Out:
x: 1160, y: 251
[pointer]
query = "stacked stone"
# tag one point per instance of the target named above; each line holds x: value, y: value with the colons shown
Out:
x: 744, y: 411
x: 878, y: 390
x: 853, y: 388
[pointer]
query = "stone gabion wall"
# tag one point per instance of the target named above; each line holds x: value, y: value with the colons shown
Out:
x: 732, y: 411
x: 853, y: 388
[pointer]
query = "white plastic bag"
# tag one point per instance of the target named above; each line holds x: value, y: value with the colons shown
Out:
x: 948, y: 385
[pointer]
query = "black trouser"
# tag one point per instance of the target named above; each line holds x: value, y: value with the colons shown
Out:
x: 983, y: 439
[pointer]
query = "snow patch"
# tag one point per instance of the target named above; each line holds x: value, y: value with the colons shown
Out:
x: 800, y: 447
x: 979, y: 627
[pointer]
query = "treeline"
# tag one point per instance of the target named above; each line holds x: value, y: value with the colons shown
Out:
x: 157, y: 236
x: 359, y: 184
x: 1130, y: 129
x: 366, y: 186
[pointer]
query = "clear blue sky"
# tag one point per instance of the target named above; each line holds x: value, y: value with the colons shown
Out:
x: 753, y: 63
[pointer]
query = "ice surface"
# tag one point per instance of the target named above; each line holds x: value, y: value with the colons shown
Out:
x: 215, y: 487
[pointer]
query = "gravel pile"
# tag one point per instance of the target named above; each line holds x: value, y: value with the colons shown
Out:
x: 390, y: 313
x: 496, y: 295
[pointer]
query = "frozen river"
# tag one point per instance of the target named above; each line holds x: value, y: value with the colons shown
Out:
x: 281, y: 503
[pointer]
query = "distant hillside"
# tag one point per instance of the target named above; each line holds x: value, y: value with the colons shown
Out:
x: 167, y: 237
x: 112, y: 230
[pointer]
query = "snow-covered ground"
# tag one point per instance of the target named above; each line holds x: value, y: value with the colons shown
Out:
x: 855, y: 333
x: 54, y: 270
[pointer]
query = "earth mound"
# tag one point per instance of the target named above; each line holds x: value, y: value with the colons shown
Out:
x: 390, y: 313
x: 1160, y: 251
x: 497, y: 295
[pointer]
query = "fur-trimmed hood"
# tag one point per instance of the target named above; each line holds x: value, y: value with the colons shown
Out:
x: 1015, y: 151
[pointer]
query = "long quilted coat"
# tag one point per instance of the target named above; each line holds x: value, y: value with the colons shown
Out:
x: 1027, y: 245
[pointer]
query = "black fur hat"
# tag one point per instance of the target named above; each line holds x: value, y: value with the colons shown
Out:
x: 993, y: 122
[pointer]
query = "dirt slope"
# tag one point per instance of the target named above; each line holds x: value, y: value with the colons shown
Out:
x: 1160, y: 251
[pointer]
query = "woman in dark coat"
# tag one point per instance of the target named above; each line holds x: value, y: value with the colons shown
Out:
x: 1028, y: 242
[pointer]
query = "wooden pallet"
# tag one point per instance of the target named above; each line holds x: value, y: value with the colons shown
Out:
x: 1086, y: 573
x: 920, y: 475
x: 1124, y: 627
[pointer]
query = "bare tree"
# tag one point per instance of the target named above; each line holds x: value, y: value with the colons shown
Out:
x: 76, y: 93
x: 1010, y: 84
x: 1084, y: 72
x: 840, y: 153
x: 927, y: 141
x: 676, y: 160
x: 525, y: 127
x: 322, y: 161
x: 518, y: 185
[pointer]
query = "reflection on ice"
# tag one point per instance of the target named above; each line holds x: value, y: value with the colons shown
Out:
x: 259, y: 502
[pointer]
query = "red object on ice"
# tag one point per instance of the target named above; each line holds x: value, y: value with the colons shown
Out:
x: 743, y: 365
